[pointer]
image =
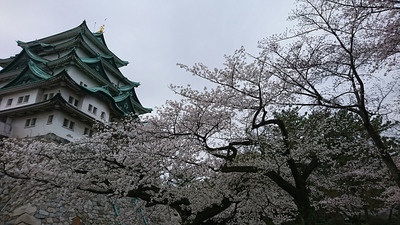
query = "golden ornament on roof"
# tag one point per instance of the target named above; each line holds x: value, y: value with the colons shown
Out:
x: 101, y: 30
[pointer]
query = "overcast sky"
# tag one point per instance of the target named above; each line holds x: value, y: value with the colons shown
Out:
x: 153, y: 35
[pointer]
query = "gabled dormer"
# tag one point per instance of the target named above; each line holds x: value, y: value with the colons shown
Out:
x: 96, y: 65
x: 31, y: 74
x: 21, y: 60
x: 129, y: 103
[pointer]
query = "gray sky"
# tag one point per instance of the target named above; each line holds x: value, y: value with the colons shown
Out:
x: 153, y: 35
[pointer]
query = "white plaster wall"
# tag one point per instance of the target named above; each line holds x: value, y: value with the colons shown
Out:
x: 42, y: 127
x: 101, y: 107
x: 66, y: 133
x: 33, y: 94
x: 78, y: 76
x: 116, y: 80
x: 81, y: 53
x: 65, y: 93
x: 84, y: 102
x: 19, y: 130
x: 47, y: 92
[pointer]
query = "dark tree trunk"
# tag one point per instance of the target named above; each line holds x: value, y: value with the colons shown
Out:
x: 383, y: 151
x: 300, y: 195
x: 306, y: 211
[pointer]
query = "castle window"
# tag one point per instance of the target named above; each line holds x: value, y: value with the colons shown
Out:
x: 26, y: 98
x: 30, y: 122
x: 88, y: 132
x: 9, y: 101
x: 23, y: 99
x: 51, y: 95
x: 103, y: 115
x: 65, y: 123
x: 45, y: 97
x: 33, y: 122
x: 73, y: 101
x: 92, y: 109
x: 68, y: 124
x: 50, y: 119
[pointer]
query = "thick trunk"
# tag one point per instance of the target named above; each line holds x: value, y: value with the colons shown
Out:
x: 306, y: 211
x: 300, y: 195
x: 385, y: 156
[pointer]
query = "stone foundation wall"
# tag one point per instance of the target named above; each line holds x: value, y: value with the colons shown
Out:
x: 23, y: 202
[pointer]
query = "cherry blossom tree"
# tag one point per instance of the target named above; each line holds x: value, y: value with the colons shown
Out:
x: 201, y: 157
x: 342, y: 55
x: 124, y: 159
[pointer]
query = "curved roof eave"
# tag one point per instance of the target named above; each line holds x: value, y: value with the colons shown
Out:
x: 35, y: 56
x: 83, y: 29
x: 105, y: 60
x: 62, y: 46
x: 13, y: 62
x: 73, y: 56
x: 101, y: 45
x: 24, y: 52
x: 106, y: 94
x: 36, y: 71
x: 98, y: 67
x: 100, y: 37
x: 5, y: 62
x: 133, y: 101
x: 56, y: 37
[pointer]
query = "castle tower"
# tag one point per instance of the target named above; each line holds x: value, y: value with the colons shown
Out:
x: 62, y: 84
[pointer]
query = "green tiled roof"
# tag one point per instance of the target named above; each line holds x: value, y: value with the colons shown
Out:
x: 31, y: 74
x: 129, y: 87
x: 128, y: 102
x: 121, y: 97
x: 38, y: 71
x: 33, y: 67
x: 34, y: 56
x: 90, y: 60
x: 97, y: 89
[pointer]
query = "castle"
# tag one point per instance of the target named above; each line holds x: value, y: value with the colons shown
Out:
x: 62, y: 84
